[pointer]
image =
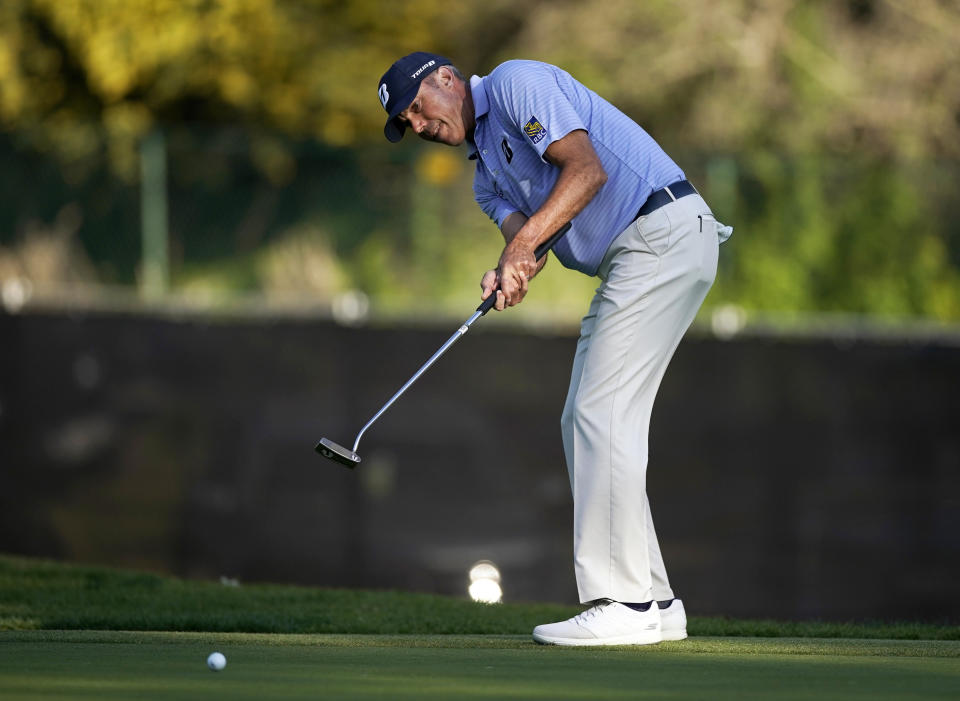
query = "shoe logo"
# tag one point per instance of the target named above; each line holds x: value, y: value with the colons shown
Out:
x: 652, y: 626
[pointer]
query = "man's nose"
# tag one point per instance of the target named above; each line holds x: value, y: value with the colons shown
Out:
x: 417, y: 124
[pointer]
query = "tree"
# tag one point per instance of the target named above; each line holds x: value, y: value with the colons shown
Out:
x: 813, y: 125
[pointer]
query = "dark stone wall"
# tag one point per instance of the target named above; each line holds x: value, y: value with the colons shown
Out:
x: 792, y: 478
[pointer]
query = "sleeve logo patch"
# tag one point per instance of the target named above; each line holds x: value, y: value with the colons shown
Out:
x: 534, y: 130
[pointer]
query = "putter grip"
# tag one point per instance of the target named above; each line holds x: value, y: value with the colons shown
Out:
x: 487, y: 304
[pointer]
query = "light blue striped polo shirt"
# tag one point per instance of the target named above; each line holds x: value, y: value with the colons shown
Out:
x: 524, y: 106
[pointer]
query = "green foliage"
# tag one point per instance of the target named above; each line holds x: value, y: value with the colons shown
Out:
x: 819, y: 234
x: 80, y: 75
x: 793, y: 75
x: 839, y: 120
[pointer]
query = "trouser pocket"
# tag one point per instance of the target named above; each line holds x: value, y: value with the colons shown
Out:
x: 656, y: 230
x: 709, y: 243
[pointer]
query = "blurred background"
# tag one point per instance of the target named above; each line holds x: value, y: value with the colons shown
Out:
x: 210, y: 257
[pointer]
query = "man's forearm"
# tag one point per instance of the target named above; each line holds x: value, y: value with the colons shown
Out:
x: 511, y: 226
x: 580, y: 178
x: 576, y: 186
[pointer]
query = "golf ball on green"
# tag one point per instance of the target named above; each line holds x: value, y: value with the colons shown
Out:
x: 216, y: 661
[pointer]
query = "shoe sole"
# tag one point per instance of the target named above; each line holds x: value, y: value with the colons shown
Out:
x: 669, y: 635
x: 645, y: 639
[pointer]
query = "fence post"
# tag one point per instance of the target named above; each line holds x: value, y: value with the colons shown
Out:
x: 154, y: 274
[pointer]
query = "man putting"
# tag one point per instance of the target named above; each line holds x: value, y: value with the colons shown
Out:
x: 550, y: 151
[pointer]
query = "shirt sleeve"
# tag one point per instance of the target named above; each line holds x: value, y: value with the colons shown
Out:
x: 534, y: 102
x: 490, y: 201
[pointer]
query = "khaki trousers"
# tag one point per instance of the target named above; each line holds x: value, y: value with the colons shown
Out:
x: 655, y: 276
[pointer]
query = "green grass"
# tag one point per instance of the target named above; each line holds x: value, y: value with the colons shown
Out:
x: 112, y: 665
x: 52, y: 596
x: 72, y: 632
x: 46, y: 595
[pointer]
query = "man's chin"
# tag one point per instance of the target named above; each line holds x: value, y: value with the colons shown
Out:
x: 452, y: 139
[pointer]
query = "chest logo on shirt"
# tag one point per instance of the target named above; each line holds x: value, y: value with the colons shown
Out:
x: 507, y: 151
x: 534, y: 130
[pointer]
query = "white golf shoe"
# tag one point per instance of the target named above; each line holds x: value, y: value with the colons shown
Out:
x: 606, y: 623
x: 673, y: 621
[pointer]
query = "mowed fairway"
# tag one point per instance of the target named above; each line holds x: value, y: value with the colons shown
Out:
x: 77, y: 632
x: 165, y: 665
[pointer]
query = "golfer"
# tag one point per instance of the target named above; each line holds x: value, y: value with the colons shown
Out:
x: 550, y: 151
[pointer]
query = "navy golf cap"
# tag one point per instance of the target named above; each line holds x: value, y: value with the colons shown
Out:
x: 400, y: 84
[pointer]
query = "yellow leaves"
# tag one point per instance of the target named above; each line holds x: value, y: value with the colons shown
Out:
x: 124, y: 46
x: 439, y: 167
x: 110, y: 75
x: 237, y: 87
x: 127, y: 120
x: 337, y: 128
x: 790, y: 74
x: 126, y: 124
x: 302, y: 66
x: 12, y: 90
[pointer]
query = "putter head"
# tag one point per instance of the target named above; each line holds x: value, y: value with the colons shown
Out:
x: 337, y: 453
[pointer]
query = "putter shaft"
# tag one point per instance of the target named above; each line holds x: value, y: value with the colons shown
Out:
x: 433, y: 358
x: 336, y: 452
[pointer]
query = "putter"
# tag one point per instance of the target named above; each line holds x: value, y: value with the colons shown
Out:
x: 346, y: 456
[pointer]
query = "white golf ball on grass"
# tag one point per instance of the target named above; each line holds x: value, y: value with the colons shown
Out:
x: 216, y: 661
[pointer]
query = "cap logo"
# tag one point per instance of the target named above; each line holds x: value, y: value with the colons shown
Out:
x: 422, y: 68
x: 384, y: 95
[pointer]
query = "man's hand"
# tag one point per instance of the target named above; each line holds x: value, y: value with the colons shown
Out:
x: 581, y: 177
x: 488, y: 286
x: 518, y: 273
x: 516, y: 283
x: 512, y: 276
x: 516, y: 268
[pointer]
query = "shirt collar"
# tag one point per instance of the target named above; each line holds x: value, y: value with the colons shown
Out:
x: 481, y: 105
